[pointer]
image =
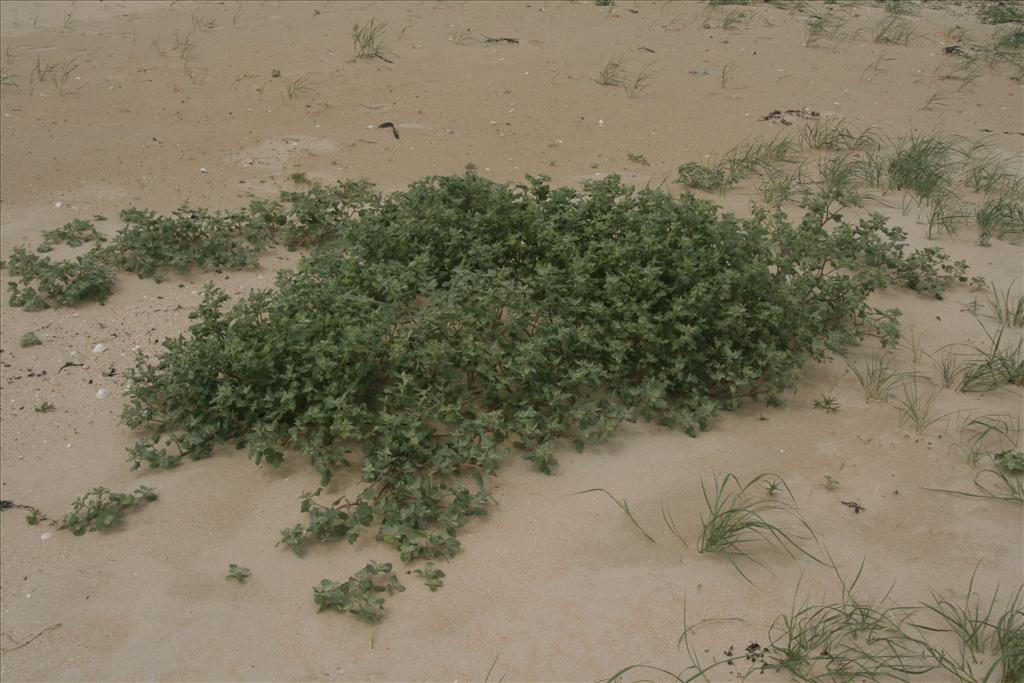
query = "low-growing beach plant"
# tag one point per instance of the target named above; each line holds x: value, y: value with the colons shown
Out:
x: 74, y: 234
x: 704, y: 177
x: 359, y: 595
x: 29, y: 339
x: 45, y: 283
x: 432, y: 576
x: 827, y: 403
x: 102, y: 509
x: 238, y: 573
x: 429, y: 334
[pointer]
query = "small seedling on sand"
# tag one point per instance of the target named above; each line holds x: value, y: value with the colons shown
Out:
x: 831, y: 484
x: 238, y: 573
x: 29, y: 339
x: 433, y: 577
x: 44, y: 407
x: 637, y: 159
x: 624, y: 506
x: 827, y: 403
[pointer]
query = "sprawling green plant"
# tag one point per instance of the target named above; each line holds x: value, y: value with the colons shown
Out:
x: 74, y: 234
x: 45, y: 283
x: 149, y: 244
x: 102, y: 509
x: 358, y: 595
x: 442, y: 327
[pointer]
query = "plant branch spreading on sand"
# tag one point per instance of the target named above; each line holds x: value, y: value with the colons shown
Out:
x: 431, y: 332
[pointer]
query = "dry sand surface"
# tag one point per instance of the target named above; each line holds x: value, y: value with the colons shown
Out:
x: 551, y: 586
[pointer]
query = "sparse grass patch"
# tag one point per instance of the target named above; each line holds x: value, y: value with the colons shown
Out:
x: 900, y: 8
x: 368, y: 40
x: 1001, y: 217
x: 893, y: 30
x: 612, y: 73
x: 821, y: 27
x: 924, y: 164
x: 916, y: 410
x: 736, y: 518
x: 948, y: 366
x: 635, y: 85
x: 994, y: 367
x: 704, y: 177
x: 878, y: 378
x: 834, y: 135
x: 996, y: 436
x: 298, y: 87
x: 1001, y: 12
x: 1005, y: 307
